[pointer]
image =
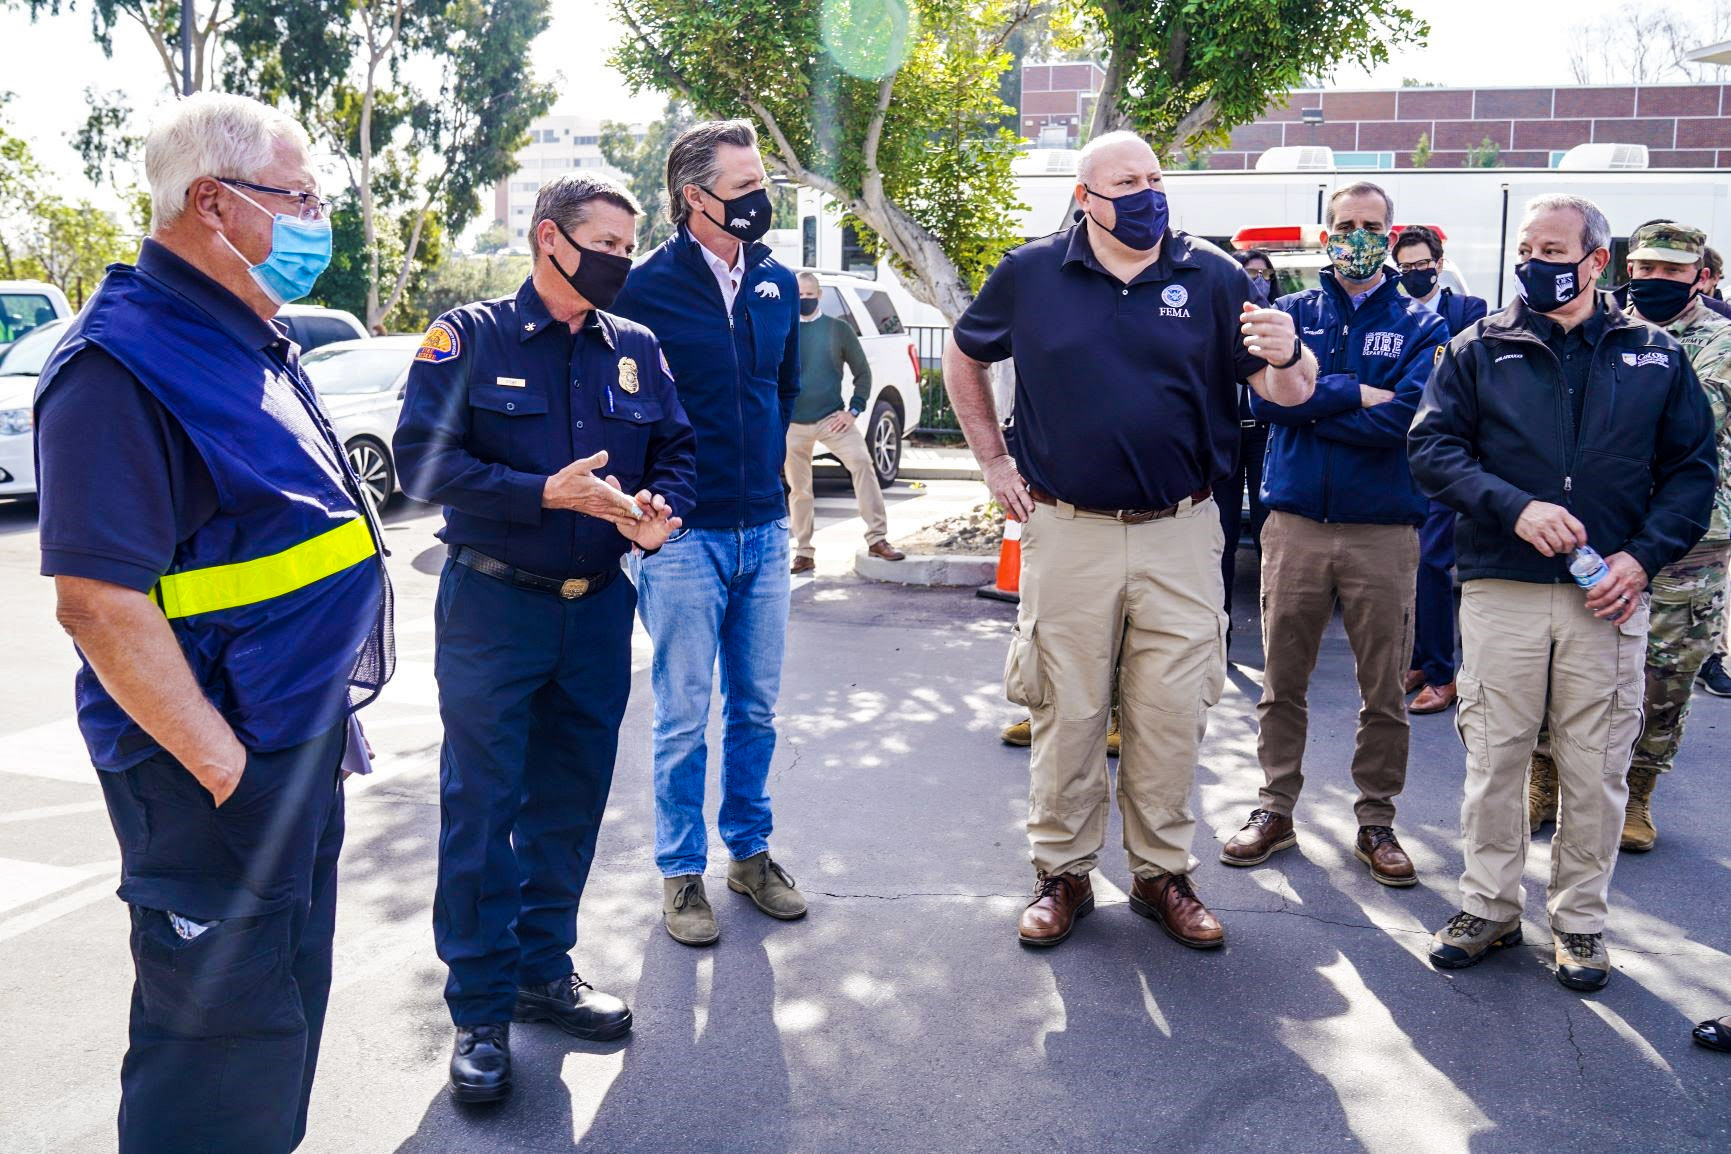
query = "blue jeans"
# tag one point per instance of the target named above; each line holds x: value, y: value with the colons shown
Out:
x: 708, y: 594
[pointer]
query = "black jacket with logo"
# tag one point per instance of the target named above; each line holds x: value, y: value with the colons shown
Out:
x: 1495, y: 432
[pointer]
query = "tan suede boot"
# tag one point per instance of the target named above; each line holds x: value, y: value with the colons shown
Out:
x: 1639, y: 836
x: 1541, y: 791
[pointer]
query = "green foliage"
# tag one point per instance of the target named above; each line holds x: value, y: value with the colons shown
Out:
x: 426, y: 101
x: 494, y: 238
x: 1421, y: 151
x: 344, y: 284
x: 1184, y: 73
x: 1485, y: 154
x: 890, y: 108
x: 45, y: 237
x: 459, y: 279
x: 643, y: 161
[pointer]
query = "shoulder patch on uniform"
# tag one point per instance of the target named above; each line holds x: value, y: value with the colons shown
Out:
x: 1436, y: 357
x: 665, y: 367
x: 441, y: 344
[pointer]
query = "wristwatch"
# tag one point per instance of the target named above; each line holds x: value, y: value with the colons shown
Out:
x: 1297, y: 354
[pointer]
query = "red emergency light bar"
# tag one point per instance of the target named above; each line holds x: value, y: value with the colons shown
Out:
x: 1278, y: 237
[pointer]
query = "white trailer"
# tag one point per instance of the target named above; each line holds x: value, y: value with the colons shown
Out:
x: 1478, y: 209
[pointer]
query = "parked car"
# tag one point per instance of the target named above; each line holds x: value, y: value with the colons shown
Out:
x: 312, y: 327
x: 26, y: 305
x: 20, y: 365
x: 894, y: 405
x: 360, y: 383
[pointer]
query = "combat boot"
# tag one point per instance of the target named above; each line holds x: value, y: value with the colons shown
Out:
x: 1541, y: 791
x: 1639, y: 835
x: 1020, y: 734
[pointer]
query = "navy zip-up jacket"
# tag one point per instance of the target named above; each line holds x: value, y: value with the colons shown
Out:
x: 1496, y: 433
x: 1332, y: 459
x: 737, y: 373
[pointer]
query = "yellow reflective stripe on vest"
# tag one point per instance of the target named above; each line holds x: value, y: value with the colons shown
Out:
x: 217, y: 587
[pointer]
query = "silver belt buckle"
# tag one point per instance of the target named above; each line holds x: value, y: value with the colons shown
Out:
x: 574, y: 588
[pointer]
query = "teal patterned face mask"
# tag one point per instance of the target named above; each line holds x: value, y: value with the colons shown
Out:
x: 1357, y: 255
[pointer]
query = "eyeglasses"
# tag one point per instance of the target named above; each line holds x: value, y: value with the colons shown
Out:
x: 312, y: 205
x: 1260, y: 273
x: 1416, y: 265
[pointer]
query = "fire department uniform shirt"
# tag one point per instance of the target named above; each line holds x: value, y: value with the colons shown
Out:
x: 1126, y: 394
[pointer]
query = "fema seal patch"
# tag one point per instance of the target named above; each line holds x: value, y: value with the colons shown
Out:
x: 628, y: 375
x: 1175, y: 295
x: 441, y: 344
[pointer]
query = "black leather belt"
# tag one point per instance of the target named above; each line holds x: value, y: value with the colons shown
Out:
x: 1128, y: 516
x: 570, y: 588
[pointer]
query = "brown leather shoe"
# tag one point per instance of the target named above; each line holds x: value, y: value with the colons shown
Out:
x: 1059, y: 900
x: 804, y: 565
x: 1175, y: 908
x: 1262, y: 835
x: 1413, y: 681
x: 1377, y: 848
x: 1433, y: 699
x: 885, y: 550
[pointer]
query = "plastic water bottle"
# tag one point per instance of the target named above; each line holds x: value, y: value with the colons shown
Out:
x: 1587, y: 567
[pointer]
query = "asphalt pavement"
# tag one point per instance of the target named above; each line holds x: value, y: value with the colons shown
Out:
x: 902, y: 1015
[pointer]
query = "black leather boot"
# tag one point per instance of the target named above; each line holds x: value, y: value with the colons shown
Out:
x: 481, y: 1063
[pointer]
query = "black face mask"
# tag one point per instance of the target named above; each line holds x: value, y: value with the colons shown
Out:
x: 599, y: 275
x: 808, y: 306
x: 746, y: 217
x: 1659, y: 299
x: 1418, y: 282
x: 1548, y: 285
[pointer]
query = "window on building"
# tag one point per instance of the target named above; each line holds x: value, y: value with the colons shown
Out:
x: 854, y: 257
x: 1557, y: 155
x: 808, y: 242
x: 585, y: 140
x: 1364, y: 160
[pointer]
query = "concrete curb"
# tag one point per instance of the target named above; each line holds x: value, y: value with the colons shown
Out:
x: 959, y: 569
x: 940, y: 473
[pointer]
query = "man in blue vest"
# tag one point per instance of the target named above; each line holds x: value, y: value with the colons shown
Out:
x: 530, y: 418
x: 728, y: 316
x: 216, y: 565
x: 1342, y: 526
x: 1418, y: 254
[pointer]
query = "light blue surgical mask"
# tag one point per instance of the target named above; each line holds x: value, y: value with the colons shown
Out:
x: 300, y: 250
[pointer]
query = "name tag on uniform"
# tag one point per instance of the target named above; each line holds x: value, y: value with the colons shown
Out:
x: 513, y: 382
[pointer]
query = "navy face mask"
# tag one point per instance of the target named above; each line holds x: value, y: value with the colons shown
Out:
x: 1660, y: 299
x: 1548, y: 285
x: 1418, y: 282
x: 1142, y: 217
x: 746, y: 217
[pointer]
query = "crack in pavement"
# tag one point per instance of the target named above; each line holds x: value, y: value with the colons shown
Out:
x: 1580, y: 1058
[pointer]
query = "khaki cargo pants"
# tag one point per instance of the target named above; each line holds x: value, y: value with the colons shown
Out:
x: 1520, y: 641
x: 1144, y: 601
x: 850, y: 449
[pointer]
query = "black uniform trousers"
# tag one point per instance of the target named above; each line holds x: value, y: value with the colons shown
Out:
x: 532, y: 689
x: 1252, y: 446
x: 225, y: 1027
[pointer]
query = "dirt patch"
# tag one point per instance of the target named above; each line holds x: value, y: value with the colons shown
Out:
x: 976, y: 533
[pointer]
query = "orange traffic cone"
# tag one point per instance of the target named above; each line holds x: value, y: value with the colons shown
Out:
x: 1008, y: 585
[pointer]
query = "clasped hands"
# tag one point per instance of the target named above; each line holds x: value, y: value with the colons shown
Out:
x: 577, y: 488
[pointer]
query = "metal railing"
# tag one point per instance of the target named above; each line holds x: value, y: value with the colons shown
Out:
x: 936, y: 416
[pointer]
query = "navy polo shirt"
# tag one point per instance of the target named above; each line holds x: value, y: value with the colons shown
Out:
x: 1126, y: 394
x: 501, y: 396
x: 120, y: 483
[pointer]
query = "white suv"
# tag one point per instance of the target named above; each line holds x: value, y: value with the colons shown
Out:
x: 894, y: 405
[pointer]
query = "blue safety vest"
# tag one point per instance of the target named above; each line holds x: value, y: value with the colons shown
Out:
x: 280, y: 600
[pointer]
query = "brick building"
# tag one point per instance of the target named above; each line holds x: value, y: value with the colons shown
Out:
x: 1058, y: 101
x: 1682, y: 125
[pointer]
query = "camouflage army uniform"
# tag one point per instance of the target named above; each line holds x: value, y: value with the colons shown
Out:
x: 1689, y: 596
